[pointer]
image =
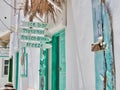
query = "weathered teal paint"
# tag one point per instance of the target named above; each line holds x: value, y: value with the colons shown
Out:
x: 58, y: 61
x: 43, y: 69
x: 17, y: 70
x: 58, y: 64
x: 62, y: 62
x: 46, y: 68
x: 99, y: 56
x: 26, y: 64
x: 104, y: 59
x: 109, y: 52
x: 55, y: 63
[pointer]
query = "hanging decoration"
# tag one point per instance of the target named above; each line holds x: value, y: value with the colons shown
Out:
x: 44, y: 8
x: 99, y: 45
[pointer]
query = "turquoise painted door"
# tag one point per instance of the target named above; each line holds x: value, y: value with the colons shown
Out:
x: 58, y: 61
x: 55, y: 63
x: 17, y: 70
x: 62, y: 62
x: 104, y: 56
x: 109, y: 52
x: 99, y: 55
x: 58, y: 71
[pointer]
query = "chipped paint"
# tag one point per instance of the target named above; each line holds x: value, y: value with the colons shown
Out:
x: 104, y: 59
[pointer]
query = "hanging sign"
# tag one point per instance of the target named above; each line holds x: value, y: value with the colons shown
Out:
x: 4, y: 52
x: 35, y: 38
x: 32, y: 37
x: 32, y: 31
x: 36, y: 45
x: 34, y: 24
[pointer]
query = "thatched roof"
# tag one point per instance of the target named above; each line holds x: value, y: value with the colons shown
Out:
x: 42, y: 7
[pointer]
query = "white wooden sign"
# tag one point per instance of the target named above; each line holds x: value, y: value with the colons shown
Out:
x: 32, y: 37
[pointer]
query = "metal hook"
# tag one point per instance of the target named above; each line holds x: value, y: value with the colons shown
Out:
x: 99, y: 45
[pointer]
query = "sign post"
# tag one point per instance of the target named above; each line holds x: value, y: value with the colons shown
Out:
x: 33, y: 35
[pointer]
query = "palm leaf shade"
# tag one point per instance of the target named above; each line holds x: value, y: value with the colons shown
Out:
x: 42, y: 8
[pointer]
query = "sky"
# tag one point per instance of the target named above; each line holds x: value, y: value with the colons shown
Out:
x: 5, y: 12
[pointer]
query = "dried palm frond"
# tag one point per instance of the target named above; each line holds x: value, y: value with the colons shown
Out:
x: 42, y: 7
x: 58, y: 2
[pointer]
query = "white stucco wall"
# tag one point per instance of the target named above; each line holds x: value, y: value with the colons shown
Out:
x: 80, y: 59
x: 32, y: 80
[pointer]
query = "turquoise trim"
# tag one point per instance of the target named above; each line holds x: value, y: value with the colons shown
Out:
x: 58, y: 61
x: 17, y: 70
x: 109, y: 58
x: 46, y: 69
x: 43, y: 70
x: 40, y: 71
x: 99, y: 56
x: 55, y: 63
x: 62, y: 62
x: 58, y: 76
x: 10, y: 70
x: 58, y: 33
x: 104, y: 59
